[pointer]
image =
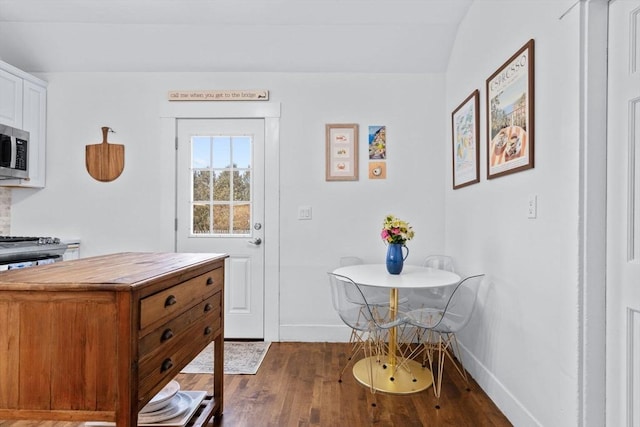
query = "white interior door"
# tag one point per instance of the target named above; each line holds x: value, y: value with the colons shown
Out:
x: 220, y: 209
x: 623, y: 216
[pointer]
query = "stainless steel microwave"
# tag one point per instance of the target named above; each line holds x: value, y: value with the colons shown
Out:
x: 14, y: 152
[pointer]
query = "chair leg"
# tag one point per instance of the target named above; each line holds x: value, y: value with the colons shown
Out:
x: 429, y: 348
x: 357, y: 345
x: 459, y: 364
x: 441, y: 356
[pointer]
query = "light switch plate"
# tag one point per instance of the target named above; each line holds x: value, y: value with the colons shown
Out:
x: 532, y: 207
x: 304, y: 212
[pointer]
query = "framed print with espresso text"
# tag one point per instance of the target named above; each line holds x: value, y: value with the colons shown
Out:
x: 510, y: 115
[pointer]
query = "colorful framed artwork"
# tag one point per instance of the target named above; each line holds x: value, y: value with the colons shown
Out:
x: 465, y: 131
x: 341, y: 152
x: 377, y: 142
x: 378, y: 170
x: 510, y: 115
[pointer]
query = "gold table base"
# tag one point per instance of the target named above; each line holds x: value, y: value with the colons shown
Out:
x: 410, y: 377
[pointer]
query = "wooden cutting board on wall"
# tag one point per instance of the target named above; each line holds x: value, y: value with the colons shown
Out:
x: 105, y: 161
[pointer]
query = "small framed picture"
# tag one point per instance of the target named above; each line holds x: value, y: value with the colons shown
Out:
x: 465, y: 142
x: 377, y: 170
x: 341, y: 152
x: 510, y: 108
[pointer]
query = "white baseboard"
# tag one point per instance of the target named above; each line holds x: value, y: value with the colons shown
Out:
x: 510, y: 406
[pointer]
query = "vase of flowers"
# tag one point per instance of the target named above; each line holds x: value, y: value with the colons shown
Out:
x: 395, y: 234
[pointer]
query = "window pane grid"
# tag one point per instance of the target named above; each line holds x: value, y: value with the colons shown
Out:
x: 221, y: 196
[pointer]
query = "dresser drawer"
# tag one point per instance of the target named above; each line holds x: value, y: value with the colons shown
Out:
x: 161, y: 366
x: 165, y: 335
x: 160, y: 307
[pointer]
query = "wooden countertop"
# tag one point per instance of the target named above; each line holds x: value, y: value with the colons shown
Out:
x: 120, y: 271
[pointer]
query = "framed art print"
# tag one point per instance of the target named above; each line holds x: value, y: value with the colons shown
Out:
x: 341, y: 152
x: 510, y: 114
x: 465, y: 143
x: 377, y: 142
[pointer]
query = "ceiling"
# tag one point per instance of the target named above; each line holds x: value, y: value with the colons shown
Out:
x: 375, y: 36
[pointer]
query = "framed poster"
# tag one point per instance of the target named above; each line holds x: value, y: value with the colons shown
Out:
x: 341, y: 152
x: 465, y: 130
x: 510, y: 108
x: 377, y: 142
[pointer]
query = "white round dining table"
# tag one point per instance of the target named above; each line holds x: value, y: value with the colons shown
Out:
x: 412, y: 276
x: 393, y: 376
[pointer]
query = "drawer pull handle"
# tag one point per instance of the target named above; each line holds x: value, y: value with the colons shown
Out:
x: 166, y: 335
x: 207, y: 330
x: 166, y: 365
x: 170, y: 301
x: 207, y: 307
x: 209, y: 281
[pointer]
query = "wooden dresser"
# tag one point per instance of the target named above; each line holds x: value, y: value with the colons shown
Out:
x: 95, y: 339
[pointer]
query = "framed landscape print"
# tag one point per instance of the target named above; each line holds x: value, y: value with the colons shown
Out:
x: 341, y: 152
x: 510, y: 114
x: 465, y: 130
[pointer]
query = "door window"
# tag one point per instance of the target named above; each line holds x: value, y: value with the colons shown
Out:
x: 221, y: 185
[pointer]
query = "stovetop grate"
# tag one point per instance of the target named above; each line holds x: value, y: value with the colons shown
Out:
x: 30, y: 240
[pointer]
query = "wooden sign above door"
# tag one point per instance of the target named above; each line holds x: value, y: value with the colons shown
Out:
x: 219, y: 95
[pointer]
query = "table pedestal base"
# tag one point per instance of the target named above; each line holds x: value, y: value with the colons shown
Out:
x: 411, y: 377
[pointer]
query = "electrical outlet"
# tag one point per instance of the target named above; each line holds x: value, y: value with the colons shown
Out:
x: 532, y: 207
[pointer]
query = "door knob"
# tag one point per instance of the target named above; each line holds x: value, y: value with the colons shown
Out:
x: 257, y: 241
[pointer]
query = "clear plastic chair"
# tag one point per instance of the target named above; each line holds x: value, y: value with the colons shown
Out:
x: 432, y: 297
x: 372, y: 322
x: 377, y: 298
x: 441, y: 262
x: 439, y: 326
x: 356, y: 339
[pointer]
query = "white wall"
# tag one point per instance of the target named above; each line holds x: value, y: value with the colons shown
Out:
x: 522, y: 344
x: 523, y: 339
x: 135, y: 212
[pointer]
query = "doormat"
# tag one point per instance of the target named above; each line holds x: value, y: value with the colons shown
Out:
x: 240, y: 358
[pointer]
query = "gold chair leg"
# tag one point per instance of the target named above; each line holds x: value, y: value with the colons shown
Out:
x: 451, y: 338
x: 357, y: 345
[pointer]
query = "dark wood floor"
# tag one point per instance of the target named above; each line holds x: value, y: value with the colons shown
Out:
x: 297, y: 385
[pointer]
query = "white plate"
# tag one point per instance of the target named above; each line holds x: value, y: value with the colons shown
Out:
x: 161, y: 399
x: 179, y: 405
x: 179, y: 421
x: 167, y: 407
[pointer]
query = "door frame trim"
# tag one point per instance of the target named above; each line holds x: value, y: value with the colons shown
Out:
x: 592, y: 212
x: 270, y: 112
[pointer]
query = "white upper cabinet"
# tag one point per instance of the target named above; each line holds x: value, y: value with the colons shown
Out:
x: 10, y: 99
x: 35, y: 122
x: 23, y: 105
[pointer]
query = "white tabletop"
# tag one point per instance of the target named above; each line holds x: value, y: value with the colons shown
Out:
x: 412, y: 276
